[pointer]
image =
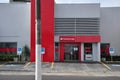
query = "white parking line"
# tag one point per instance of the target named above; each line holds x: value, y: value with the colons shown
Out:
x: 116, y: 65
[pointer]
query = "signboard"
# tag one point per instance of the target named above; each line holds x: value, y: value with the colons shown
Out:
x: 42, y: 50
x: 67, y: 39
x: 112, y: 51
x: 19, y: 51
x: 88, y: 57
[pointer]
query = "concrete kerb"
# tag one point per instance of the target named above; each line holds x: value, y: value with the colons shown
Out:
x: 106, y: 66
x: 62, y: 74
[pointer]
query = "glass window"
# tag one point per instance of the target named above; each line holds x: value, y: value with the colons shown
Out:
x: 8, y: 47
x: 8, y: 44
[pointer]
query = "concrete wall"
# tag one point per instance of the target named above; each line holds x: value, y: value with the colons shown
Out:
x: 110, y: 27
x: 15, y: 23
x: 96, y: 52
x: 77, y: 10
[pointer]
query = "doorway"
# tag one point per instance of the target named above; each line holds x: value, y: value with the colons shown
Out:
x: 88, y: 52
x: 56, y: 52
x: 71, y: 52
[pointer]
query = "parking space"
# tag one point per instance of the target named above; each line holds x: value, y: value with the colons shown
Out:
x: 114, y: 67
x: 62, y: 67
x: 78, y: 67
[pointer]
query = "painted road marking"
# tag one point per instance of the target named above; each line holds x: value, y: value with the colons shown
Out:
x: 105, y: 65
x: 2, y: 64
x: 27, y: 64
x: 52, y: 65
x: 116, y: 65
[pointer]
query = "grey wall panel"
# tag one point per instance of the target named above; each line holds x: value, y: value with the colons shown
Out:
x: 56, y: 39
x: 15, y: 23
x: 77, y: 10
x: 96, y: 52
x: 110, y: 27
x: 76, y: 26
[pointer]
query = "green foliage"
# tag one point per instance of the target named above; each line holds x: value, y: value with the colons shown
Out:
x: 26, y: 52
x: 115, y: 58
x: 7, y: 57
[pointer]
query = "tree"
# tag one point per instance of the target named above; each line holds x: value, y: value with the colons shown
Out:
x: 26, y: 52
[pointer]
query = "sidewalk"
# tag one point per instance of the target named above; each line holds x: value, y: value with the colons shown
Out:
x: 56, y: 67
x: 73, y: 69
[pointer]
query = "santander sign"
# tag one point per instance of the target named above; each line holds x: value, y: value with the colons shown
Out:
x: 67, y: 39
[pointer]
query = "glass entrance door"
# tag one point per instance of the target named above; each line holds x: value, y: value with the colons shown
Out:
x: 71, y: 52
x: 56, y: 51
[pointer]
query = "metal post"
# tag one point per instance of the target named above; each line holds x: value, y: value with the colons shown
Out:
x: 19, y: 58
x: 38, y: 70
x: 111, y: 58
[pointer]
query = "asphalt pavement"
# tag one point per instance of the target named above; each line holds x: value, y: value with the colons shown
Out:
x: 56, y: 67
x: 114, y: 67
x: 61, y: 71
x: 53, y: 77
x: 67, y: 68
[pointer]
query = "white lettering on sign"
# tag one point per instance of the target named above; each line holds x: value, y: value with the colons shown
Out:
x: 67, y: 38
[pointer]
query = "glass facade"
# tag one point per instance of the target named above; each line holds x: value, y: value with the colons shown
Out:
x: 71, y: 52
x: 8, y: 47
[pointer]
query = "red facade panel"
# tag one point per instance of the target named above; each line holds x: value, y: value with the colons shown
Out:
x: 47, y: 24
x: 47, y: 30
x: 87, y: 38
x: 61, y: 51
x: 32, y: 42
x: 8, y: 49
x: 79, y: 38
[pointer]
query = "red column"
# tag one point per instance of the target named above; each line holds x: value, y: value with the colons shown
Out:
x: 61, y: 51
x: 47, y: 29
x: 32, y: 40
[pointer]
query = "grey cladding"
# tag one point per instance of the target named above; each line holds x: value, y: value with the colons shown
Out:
x: 76, y: 26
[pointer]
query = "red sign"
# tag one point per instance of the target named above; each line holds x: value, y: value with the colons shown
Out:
x: 79, y: 38
x: 67, y: 39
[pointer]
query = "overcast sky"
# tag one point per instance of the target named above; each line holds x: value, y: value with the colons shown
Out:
x: 104, y: 3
